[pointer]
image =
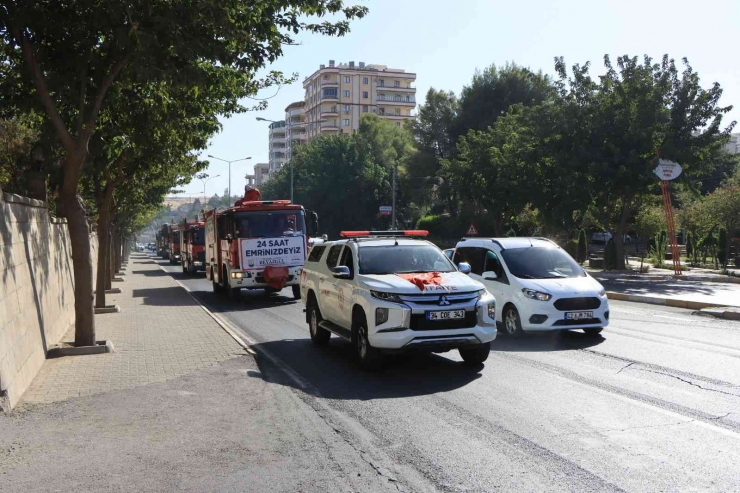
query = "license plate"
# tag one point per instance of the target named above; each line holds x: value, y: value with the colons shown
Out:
x: 446, y: 315
x: 578, y: 315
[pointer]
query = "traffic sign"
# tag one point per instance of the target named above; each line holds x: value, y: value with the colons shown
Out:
x: 667, y: 170
x: 472, y: 231
x: 386, y: 210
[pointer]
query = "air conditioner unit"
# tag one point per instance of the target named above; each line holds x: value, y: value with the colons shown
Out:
x: 331, y: 63
x: 322, y: 66
x: 362, y: 64
x: 351, y: 64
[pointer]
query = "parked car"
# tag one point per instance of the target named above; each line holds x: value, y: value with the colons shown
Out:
x: 386, y: 291
x: 537, y: 285
x: 604, y: 236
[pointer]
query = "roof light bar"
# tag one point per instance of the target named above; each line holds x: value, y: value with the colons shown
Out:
x: 408, y: 232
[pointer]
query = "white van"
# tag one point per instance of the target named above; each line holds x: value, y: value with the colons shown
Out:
x: 537, y: 285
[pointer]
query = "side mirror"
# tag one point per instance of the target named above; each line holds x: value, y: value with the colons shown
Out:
x: 489, y: 275
x: 341, y: 272
x: 464, y: 267
x: 229, y: 237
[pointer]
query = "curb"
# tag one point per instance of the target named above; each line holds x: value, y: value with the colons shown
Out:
x: 656, y: 300
x: 727, y: 313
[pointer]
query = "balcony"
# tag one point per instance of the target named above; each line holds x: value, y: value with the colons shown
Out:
x: 332, y: 111
x: 398, y: 89
x: 401, y: 100
x: 329, y: 82
x: 329, y: 126
x: 330, y: 96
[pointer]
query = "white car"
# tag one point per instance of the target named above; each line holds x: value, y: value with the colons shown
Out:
x: 386, y: 291
x: 537, y: 285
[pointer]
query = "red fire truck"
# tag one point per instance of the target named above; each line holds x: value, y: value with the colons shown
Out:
x: 174, y: 244
x: 193, y: 246
x: 163, y: 243
x: 257, y: 245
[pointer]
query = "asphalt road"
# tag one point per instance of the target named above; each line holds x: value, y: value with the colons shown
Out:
x: 653, y: 405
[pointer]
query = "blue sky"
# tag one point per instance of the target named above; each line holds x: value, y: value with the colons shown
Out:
x: 445, y: 41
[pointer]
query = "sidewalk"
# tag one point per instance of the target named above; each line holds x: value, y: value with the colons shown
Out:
x: 160, y: 334
x: 684, y: 294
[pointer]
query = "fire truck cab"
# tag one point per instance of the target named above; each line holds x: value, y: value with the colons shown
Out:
x: 174, y: 243
x: 257, y: 245
x: 163, y: 241
x: 192, y: 239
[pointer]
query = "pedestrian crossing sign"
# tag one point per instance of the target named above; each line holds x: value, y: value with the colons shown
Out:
x: 472, y: 231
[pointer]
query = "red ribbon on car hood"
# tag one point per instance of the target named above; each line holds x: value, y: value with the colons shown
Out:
x: 276, y: 277
x: 423, y: 279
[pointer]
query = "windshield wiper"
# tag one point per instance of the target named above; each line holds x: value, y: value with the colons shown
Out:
x: 524, y: 276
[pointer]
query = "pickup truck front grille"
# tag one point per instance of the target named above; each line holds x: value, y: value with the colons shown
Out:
x: 420, y: 322
x: 447, y: 299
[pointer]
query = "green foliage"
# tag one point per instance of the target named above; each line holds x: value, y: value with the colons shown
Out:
x: 529, y: 221
x: 582, y: 251
x: 722, y: 248
x: 17, y: 137
x: 610, y: 256
x: 690, y: 245
x: 658, y: 250
x: 571, y: 246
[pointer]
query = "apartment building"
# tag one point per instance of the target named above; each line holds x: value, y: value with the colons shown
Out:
x: 261, y: 174
x: 295, y: 127
x: 277, y: 145
x: 336, y: 96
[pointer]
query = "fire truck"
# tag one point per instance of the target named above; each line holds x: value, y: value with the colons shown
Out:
x: 257, y: 245
x: 163, y: 241
x: 192, y: 239
x: 174, y: 244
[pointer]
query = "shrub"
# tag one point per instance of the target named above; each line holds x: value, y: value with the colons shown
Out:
x: 689, y: 245
x: 657, y: 252
x: 610, y: 255
x: 582, y: 251
x: 722, y: 251
x: 571, y: 246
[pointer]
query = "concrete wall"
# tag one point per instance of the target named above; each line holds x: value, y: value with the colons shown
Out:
x: 36, y: 290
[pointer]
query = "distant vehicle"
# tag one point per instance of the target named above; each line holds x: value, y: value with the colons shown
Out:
x: 387, y: 291
x: 151, y: 247
x: 139, y: 247
x: 448, y: 253
x: 193, y: 246
x: 603, y: 237
x: 537, y: 285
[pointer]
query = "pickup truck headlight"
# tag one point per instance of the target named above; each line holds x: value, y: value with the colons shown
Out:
x: 392, y: 297
x: 536, y: 295
x: 492, y: 310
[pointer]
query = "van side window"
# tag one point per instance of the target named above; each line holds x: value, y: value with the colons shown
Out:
x: 333, y: 256
x: 474, y: 256
x: 316, y: 253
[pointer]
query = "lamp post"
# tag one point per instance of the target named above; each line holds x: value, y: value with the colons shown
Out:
x: 205, y: 180
x: 233, y: 161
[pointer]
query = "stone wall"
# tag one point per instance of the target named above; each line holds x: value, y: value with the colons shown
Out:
x: 36, y: 290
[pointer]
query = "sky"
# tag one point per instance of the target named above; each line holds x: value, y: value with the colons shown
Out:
x: 444, y: 42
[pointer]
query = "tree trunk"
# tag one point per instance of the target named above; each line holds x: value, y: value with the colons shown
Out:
x: 71, y: 207
x: 617, y: 237
x: 119, y: 258
x: 111, y: 266
x: 103, y: 247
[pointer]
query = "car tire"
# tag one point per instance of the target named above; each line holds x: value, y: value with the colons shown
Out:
x: 217, y: 288
x: 370, y: 358
x: 593, y: 332
x: 475, y: 355
x: 296, y: 292
x: 512, y: 322
x: 232, y: 293
x: 319, y: 335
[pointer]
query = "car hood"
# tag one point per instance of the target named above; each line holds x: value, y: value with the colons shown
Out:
x: 574, y: 286
x: 451, y: 282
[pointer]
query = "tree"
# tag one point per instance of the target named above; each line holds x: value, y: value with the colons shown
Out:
x: 75, y: 52
x: 723, y: 250
x: 582, y: 252
x: 494, y: 90
x: 723, y: 206
x: 17, y: 136
x: 633, y: 112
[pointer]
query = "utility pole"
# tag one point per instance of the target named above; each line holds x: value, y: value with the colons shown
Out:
x: 393, y: 205
x: 232, y: 161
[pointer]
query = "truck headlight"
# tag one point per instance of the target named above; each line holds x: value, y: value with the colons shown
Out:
x: 536, y: 295
x: 197, y: 264
x: 392, y: 297
x: 237, y: 275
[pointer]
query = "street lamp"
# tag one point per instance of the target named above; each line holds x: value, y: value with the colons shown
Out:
x: 206, y: 180
x: 225, y: 161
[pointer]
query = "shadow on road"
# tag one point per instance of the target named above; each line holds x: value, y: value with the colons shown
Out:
x: 549, y: 341
x: 150, y: 273
x: 334, y: 374
x: 666, y: 288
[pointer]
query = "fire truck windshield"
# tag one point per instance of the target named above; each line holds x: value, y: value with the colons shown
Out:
x: 199, y: 237
x: 265, y: 224
x: 176, y: 237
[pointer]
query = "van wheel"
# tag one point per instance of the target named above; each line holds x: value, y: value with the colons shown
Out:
x: 475, y: 355
x: 319, y: 335
x: 512, y: 322
x: 371, y: 359
x: 296, y: 292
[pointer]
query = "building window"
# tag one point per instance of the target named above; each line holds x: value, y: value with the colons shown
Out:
x: 381, y: 111
x: 346, y: 79
x: 364, y: 109
x: 330, y: 92
x: 398, y: 111
x: 365, y: 94
x: 396, y: 83
x: 381, y: 83
x: 345, y: 122
x: 365, y: 80
x: 346, y: 94
x: 346, y: 108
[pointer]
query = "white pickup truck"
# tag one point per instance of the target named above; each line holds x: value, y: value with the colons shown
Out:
x: 387, y: 291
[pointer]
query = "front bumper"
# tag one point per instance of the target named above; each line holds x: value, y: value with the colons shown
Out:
x: 406, y: 328
x: 531, y: 313
x: 255, y: 279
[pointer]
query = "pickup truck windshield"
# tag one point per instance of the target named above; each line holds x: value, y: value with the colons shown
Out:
x: 270, y: 224
x: 541, y: 263
x: 402, y: 259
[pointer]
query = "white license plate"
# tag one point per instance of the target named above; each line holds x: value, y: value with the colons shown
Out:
x: 578, y: 315
x: 446, y: 315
